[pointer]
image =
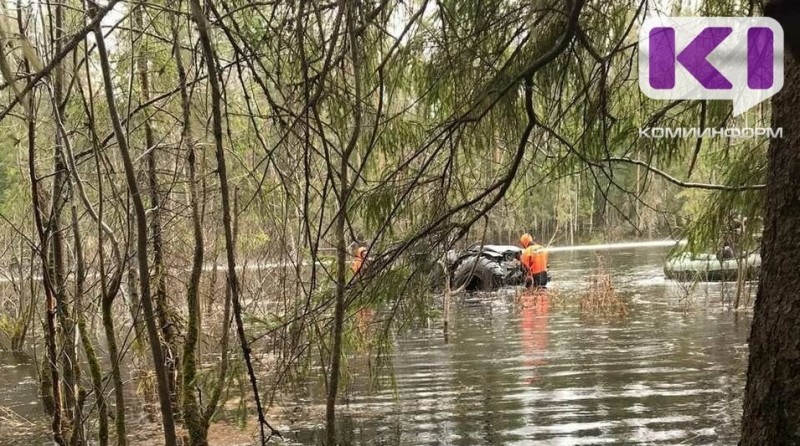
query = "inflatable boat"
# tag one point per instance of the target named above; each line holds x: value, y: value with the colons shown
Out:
x: 709, y: 268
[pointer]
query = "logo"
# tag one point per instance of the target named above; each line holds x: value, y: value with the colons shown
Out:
x: 728, y: 58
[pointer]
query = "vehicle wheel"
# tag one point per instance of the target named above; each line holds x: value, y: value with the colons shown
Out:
x: 487, y: 276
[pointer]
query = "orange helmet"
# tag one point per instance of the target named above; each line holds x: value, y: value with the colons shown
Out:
x: 526, y: 240
x: 361, y: 252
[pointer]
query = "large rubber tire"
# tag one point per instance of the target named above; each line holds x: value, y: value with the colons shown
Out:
x: 487, y: 276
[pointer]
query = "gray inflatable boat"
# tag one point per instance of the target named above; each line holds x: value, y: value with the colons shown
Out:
x: 709, y: 268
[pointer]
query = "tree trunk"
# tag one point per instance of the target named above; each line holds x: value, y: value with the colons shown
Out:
x: 50, y: 382
x: 113, y: 354
x: 196, y: 425
x: 159, y: 271
x: 339, y: 310
x: 134, y: 303
x: 222, y: 171
x: 772, y: 396
x: 598, y: 208
x: 97, y: 380
x: 58, y: 264
x: 78, y: 434
x: 165, y: 402
x: 341, y: 241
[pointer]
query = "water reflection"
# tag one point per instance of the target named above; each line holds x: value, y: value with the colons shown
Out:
x: 535, y: 309
x: 526, y: 371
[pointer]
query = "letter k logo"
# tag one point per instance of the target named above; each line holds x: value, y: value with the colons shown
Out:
x: 737, y: 59
x: 694, y: 58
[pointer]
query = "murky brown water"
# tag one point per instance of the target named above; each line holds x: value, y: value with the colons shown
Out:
x: 537, y: 372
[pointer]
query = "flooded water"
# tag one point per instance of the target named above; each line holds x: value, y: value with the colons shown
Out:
x: 21, y: 416
x: 535, y: 370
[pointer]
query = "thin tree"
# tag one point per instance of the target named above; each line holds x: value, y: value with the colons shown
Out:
x: 165, y: 402
x: 216, y: 109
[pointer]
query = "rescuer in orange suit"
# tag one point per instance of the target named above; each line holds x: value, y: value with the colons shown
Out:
x: 358, y: 261
x: 364, y: 315
x: 534, y: 261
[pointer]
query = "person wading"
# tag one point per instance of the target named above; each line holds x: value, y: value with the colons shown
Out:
x: 364, y: 314
x: 358, y: 261
x: 534, y: 261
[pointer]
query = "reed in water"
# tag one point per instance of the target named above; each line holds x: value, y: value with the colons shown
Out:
x: 601, y: 298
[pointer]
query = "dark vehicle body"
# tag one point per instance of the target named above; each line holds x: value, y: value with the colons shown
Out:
x: 485, y: 268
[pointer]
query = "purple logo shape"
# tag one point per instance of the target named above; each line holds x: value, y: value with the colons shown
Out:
x: 760, y: 47
x: 662, y: 58
x: 712, y: 58
x: 694, y: 58
x: 760, y: 53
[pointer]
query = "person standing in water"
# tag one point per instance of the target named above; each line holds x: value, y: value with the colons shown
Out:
x: 364, y: 315
x: 358, y: 261
x: 534, y: 261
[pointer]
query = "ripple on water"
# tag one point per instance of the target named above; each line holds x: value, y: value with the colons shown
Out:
x: 545, y: 375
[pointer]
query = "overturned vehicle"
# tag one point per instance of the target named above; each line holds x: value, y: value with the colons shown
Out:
x: 485, y: 268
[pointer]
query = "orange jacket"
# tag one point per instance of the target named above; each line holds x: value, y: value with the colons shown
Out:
x: 358, y: 262
x: 534, y: 259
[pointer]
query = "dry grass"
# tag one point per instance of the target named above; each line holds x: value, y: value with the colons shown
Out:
x: 15, y: 427
x: 601, y: 299
x: 10, y: 418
